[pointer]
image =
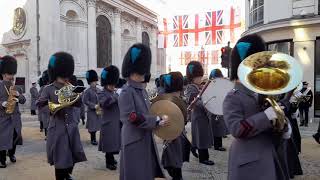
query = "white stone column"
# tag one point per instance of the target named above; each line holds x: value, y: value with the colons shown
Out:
x: 139, y: 30
x: 153, y: 46
x: 117, y: 34
x: 92, y: 35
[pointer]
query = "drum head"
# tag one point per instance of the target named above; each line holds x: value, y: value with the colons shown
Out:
x: 214, y: 95
x: 165, y: 107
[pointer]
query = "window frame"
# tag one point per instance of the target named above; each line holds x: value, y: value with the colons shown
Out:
x: 256, y: 10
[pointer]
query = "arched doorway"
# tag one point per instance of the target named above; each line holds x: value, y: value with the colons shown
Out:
x: 145, y: 39
x: 104, y: 43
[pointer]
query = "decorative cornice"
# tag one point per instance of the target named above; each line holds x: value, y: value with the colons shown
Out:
x: 91, y: 3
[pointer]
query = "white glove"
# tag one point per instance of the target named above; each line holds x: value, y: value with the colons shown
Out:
x: 271, y: 114
x: 287, y: 135
x: 119, y: 91
x: 4, y: 104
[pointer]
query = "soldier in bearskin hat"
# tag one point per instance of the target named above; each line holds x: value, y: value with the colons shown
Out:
x: 10, y: 122
x: 252, y: 149
x: 139, y: 155
x: 34, y: 96
x: 83, y: 108
x: 219, y: 128
x: 175, y: 152
x: 90, y: 99
x: 64, y: 148
x: 44, y: 111
x: 110, y: 133
x: 202, y: 137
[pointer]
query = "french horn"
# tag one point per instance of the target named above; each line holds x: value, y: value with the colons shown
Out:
x: 66, y: 98
x: 271, y: 73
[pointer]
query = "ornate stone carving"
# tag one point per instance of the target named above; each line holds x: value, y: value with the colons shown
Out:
x: 106, y: 10
x: 91, y: 3
x: 19, y: 22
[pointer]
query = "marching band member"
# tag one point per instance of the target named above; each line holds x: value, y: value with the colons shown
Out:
x: 44, y: 111
x: 77, y: 110
x: 34, y: 96
x: 219, y: 128
x: 305, y: 104
x: 110, y: 133
x: 252, y: 153
x: 90, y: 99
x: 172, y: 155
x: 82, y: 108
x: 202, y: 137
x: 64, y: 148
x: 10, y: 124
x: 139, y: 155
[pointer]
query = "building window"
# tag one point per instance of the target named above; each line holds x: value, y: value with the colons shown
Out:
x: 145, y: 39
x: 285, y: 46
x: 104, y: 44
x: 256, y: 12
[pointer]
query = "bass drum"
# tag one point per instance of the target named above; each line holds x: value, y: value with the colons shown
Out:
x: 215, y: 94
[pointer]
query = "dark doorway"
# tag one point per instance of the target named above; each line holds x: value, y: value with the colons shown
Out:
x: 104, y: 43
x: 317, y: 79
x: 145, y: 39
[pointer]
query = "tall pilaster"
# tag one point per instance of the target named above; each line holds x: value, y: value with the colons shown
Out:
x: 92, y: 35
x: 139, y: 30
x: 117, y: 34
x: 154, y: 49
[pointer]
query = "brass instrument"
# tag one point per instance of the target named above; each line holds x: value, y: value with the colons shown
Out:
x: 271, y: 73
x: 12, y: 100
x: 152, y: 94
x: 99, y: 110
x: 66, y: 97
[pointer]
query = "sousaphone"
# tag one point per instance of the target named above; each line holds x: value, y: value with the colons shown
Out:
x: 271, y: 73
x: 176, y: 109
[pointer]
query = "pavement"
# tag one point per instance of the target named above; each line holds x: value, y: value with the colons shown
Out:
x: 32, y: 163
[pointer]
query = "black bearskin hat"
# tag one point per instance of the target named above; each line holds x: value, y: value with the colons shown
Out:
x: 194, y: 69
x: 215, y: 73
x: 8, y: 65
x: 91, y: 76
x: 110, y: 76
x: 137, y: 60
x: 61, y: 64
x: 40, y: 82
x: 157, y: 82
x: 121, y: 83
x: 246, y: 46
x: 147, y: 78
x: 73, y: 80
x: 173, y: 82
x: 185, y: 80
x: 80, y: 82
x: 45, y: 77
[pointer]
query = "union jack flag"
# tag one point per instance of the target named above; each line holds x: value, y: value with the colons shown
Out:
x: 175, y: 22
x: 208, y: 19
x: 175, y: 40
x: 185, y: 22
x: 220, y: 37
x: 219, y: 17
x: 185, y: 39
x: 208, y: 38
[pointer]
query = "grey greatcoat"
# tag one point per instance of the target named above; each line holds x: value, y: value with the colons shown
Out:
x: 172, y: 155
x: 202, y: 137
x: 34, y: 96
x: 219, y: 128
x: 110, y: 133
x: 252, y: 154
x: 10, y: 123
x: 64, y: 147
x: 44, y: 112
x: 90, y: 99
x: 139, y: 155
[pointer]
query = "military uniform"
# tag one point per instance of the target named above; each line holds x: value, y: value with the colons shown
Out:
x: 34, y: 96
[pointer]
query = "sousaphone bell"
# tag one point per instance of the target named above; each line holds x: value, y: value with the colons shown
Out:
x: 271, y: 73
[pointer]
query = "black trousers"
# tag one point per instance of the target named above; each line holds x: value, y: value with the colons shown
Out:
x: 304, y: 115
x: 203, y: 154
x: 33, y: 112
x: 110, y: 159
x: 62, y: 174
x: 11, y: 152
x: 41, y: 125
x: 93, y: 136
x: 217, y: 141
x: 175, y: 173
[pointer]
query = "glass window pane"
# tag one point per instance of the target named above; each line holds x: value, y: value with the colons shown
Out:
x: 260, y: 14
x: 261, y: 2
x: 255, y: 4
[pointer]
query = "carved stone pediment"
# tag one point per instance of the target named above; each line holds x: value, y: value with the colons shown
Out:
x: 19, y: 48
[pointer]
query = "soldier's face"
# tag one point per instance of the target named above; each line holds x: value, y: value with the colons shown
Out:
x: 197, y: 80
x: 8, y: 77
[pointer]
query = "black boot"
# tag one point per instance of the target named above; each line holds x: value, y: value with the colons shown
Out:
x: 194, y: 152
x: 60, y: 174
x: 93, y: 138
x: 316, y: 137
x: 41, y: 126
x: 3, y: 164
x: 83, y: 123
x: 11, y: 154
x: 110, y: 162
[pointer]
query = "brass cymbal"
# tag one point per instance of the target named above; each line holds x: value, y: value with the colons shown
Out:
x: 165, y: 107
x: 176, y: 100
